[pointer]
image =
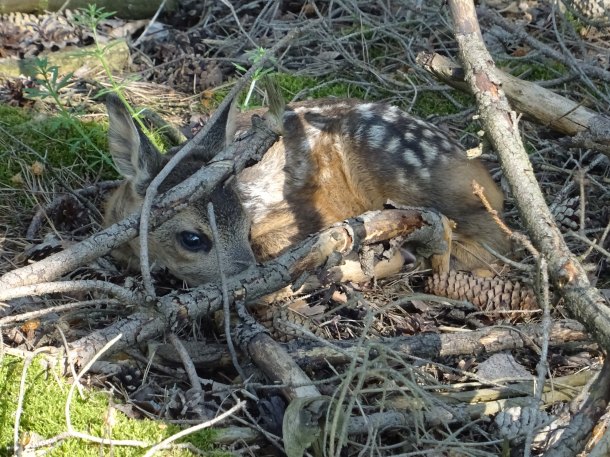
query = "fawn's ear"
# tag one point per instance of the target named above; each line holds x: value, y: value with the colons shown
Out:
x: 137, y: 159
x: 219, y: 135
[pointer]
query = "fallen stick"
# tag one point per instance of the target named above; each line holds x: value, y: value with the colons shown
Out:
x: 584, y: 301
x: 535, y: 102
x: 431, y: 346
x: 421, y: 226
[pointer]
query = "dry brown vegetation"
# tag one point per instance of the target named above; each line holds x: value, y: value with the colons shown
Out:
x: 495, y: 364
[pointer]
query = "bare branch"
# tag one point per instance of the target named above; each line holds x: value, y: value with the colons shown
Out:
x: 567, y: 274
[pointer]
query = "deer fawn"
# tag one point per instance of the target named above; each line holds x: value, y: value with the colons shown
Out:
x: 335, y: 159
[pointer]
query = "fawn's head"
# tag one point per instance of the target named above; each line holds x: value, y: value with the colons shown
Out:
x: 185, y: 243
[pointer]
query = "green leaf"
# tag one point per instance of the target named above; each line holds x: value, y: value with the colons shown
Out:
x: 65, y: 81
x: 302, y: 427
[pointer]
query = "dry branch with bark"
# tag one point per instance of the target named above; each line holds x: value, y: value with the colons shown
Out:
x: 584, y: 301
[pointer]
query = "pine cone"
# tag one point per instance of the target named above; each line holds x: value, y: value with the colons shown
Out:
x: 488, y: 294
x: 591, y: 9
x: 566, y: 213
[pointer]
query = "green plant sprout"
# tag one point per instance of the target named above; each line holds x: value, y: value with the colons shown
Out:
x: 49, y: 84
x: 91, y: 18
x: 254, y: 56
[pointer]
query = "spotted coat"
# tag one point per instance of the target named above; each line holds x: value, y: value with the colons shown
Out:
x: 335, y: 159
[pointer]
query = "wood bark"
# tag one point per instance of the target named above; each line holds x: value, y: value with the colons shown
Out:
x: 70, y: 60
x: 280, y: 367
x: 126, y: 9
x: 432, y: 346
x: 535, y: 102
x: 569, y: 278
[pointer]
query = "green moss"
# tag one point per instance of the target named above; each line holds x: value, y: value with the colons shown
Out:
x: 317, y: 87
x: 291, y: 85
x: 533, y: 71
x: 435, y: 103
x: 56, y: 140
x: 44, y: 414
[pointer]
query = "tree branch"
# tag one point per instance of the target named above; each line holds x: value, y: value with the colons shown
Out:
x: 501, y: 124
x: 417, y: 225
x: 199, y: 186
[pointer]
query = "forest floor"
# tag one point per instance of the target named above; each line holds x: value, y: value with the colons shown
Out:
x: 467, y: 395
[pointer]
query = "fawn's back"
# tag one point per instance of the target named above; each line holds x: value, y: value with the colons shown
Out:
x: 336, y: 159
x: 340, y: 158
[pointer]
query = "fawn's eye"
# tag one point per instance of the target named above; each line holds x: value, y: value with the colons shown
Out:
x: 193, y: 241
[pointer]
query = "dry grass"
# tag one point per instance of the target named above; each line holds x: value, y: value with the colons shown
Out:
x: 366, y: 49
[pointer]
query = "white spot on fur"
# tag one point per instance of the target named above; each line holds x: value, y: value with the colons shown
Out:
x: 311, y: 135
x: 429, y: 149
x: 411, y: 158
x: 335, y: 106
x: 423, y: 173
x: 393, y: 145
x: 331, y: 109
x: 420, y: 123
x: 377, y: 135
x: 366, y: 111
x: 262, y: 185
x: 408, y: 135
x: 392, y: 115
x: 427, y: 133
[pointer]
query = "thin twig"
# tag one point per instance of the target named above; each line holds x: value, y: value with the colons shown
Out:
x: 590, y: 243
x: 69, y: 360
x: 56, y: 309
x: 166, y: 442
x: 237, y: 21
x: 226, y: 305
x: 150, y: 24
x: 479, y: 191
x: 20, y: 398
x: 542, y: 367
x: 84, y: 285
x: 582, y: 201
x: 187, y: 362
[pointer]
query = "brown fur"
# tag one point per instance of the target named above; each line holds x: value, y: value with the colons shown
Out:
x: 338, y: 176
x: 139, y: 161
x: 336, y: 159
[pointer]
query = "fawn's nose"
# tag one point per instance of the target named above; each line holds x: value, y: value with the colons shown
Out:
x: 239, y: 262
